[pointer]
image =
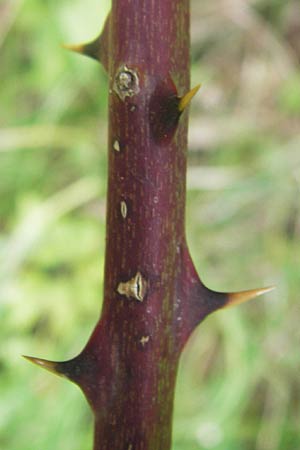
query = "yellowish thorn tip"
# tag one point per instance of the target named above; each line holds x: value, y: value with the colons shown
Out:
x: 51, y: 366
x: 235, y: 298
x: 74, y: 48
x: 187, y: 98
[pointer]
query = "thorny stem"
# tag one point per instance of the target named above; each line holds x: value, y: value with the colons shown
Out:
x: 153, y: 297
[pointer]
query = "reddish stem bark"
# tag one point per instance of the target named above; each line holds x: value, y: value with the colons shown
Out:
x: 153, y: 298
x: 145, y: 228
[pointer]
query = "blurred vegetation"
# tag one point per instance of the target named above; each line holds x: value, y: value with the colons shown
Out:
x: 238, y: 386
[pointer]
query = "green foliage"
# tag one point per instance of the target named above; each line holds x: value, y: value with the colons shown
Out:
x: 289, y: 97
x: 238, y: 386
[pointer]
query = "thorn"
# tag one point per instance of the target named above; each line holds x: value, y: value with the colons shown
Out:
x: 97, y: 49
x: 74, y: 48
x: 91, y: 49
x: 51, y: 366
x: 187, y: 98
x: 63, y: 369
x: 235, y: 298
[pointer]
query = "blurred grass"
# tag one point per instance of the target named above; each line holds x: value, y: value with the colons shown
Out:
x: 238, y: 385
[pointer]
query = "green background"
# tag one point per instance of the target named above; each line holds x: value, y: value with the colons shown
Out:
x: 238, y: 386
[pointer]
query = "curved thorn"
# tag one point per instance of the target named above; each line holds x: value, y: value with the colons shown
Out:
x: 51, y: 366
x: 187, y: 98
x: 235, y: 298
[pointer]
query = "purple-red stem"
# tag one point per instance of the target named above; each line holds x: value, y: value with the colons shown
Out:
x: 153, y: 297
